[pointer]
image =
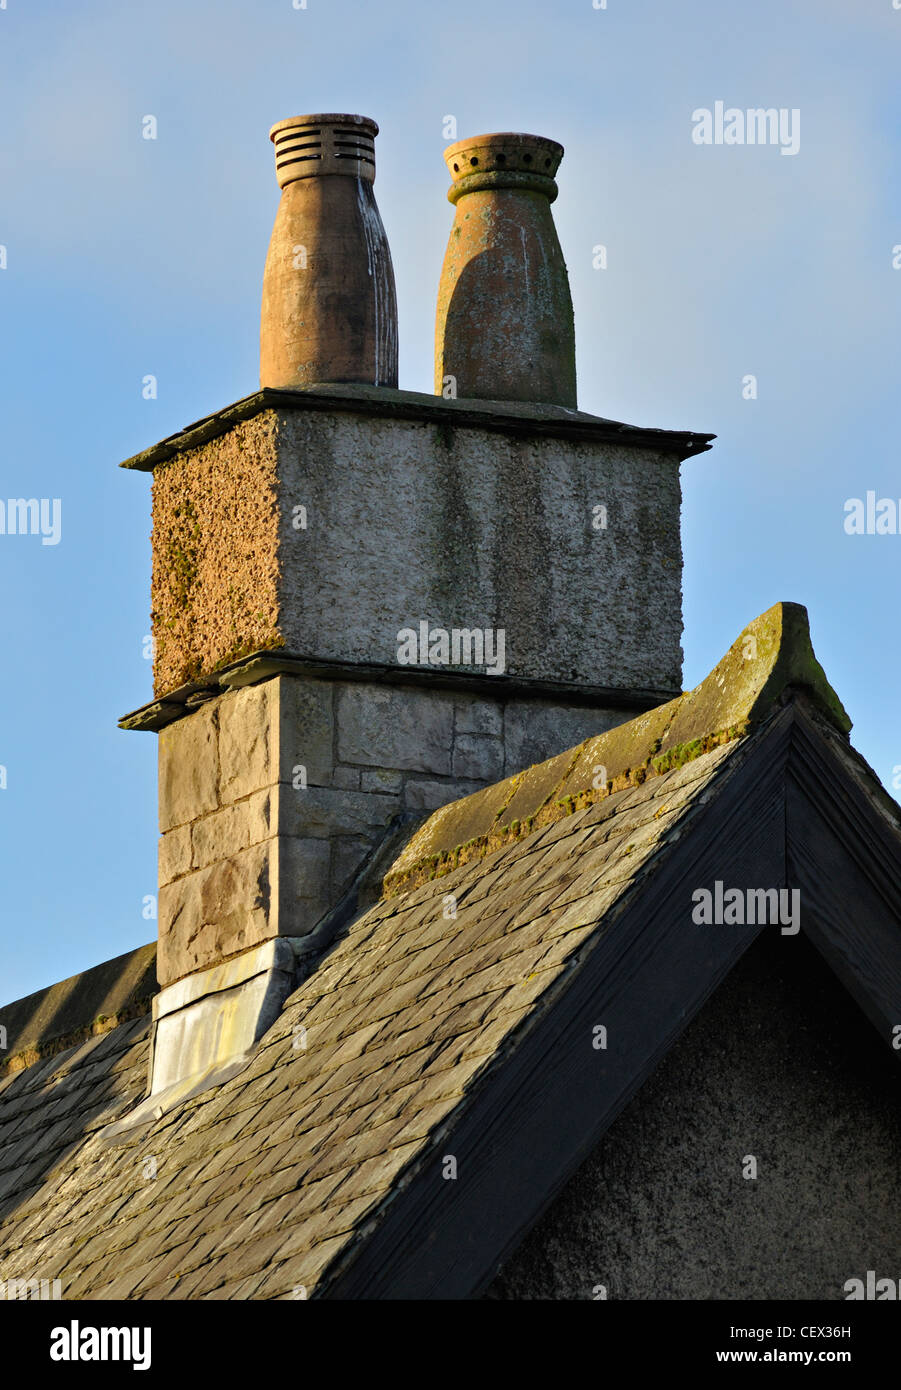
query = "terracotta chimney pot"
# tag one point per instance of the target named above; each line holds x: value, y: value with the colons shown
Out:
x: 329, y: 307
x: 504, y: 327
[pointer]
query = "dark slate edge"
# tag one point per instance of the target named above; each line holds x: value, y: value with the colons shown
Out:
x: 508, y: 417
x: 66, y: 1010
x: 542, y: 1107
x: 156, y: 714
x: 844, y: 853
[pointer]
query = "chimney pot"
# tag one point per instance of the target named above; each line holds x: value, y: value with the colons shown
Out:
x: 504, y: 327
x: 329, y: 308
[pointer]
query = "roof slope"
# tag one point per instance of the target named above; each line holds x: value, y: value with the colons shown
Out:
x: 262, y: 1182
x: 57, y: 1018
x: 453, y: 1018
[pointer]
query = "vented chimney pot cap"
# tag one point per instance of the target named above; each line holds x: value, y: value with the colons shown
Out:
x: 503, y: 160
x: 335, y: 143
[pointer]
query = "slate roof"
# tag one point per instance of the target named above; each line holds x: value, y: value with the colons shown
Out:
x: 318, y: 1168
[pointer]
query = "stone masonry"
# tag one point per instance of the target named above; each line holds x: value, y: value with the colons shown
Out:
x: 367, y: 602
x: 272, y: 795
x: 295, y: 535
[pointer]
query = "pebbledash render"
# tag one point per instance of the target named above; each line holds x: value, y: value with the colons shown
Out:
x: 436, y: 820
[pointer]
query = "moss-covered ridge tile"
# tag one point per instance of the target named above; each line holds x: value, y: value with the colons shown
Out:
x: 773, y: 655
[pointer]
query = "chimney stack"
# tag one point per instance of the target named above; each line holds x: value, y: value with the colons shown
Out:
x: 329, y: 308
x: 504, y: 327
x: 370, y: 602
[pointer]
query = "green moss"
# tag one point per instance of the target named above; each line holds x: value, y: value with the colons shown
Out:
x: 444, y: 433
x: 241, y: 649
x: 181, y: 552
x: 771, y: 659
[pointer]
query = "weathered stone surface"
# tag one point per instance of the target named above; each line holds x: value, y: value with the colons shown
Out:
x: 231, y: 768
x: 395, y: 728
x: 174, y: 853
x: 215, y: 554
x: 321, y: 812
x: 188, y: 768
x: 772, y: 655
x: 248, y: 742
x: 475, y: 716
x: 478, y: 757
x: 534, y: 730
x: 214, y: 913
x: 233, y: 828
x: 301, y: 885
x: 348, y: 853
x: 305, y: 729
x: 379, y: 779
x: 424, y: 795
x: 612, y: 613
x: 347, y: 777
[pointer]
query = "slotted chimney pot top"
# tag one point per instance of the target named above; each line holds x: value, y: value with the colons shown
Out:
x: 335, y: 143
x: 503, y: 160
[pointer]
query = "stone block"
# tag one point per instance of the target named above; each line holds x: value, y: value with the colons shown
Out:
x: 302, y: 889
x: 248, y: 743
x: 395, y: 728
x: 321, y: 812
x: 306, y: 729
x: 347, y: 778
x: 534, y: 731
x: 188, y: 768
x: 231, y: 829
x: 428, y: 796
x: 174, y: 853
x: 348, y: 853
x: 475, y: 716
x: 379, y: 779
x: 479, y: 757
x: 215, y: 912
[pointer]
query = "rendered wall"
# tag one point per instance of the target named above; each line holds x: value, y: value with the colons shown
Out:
x: 411, y: 520
x: 780, y: 1065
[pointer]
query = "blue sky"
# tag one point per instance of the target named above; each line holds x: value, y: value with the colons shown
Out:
x: 127, y: 257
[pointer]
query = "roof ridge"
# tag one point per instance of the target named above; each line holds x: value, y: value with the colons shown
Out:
x: 771, y: 657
